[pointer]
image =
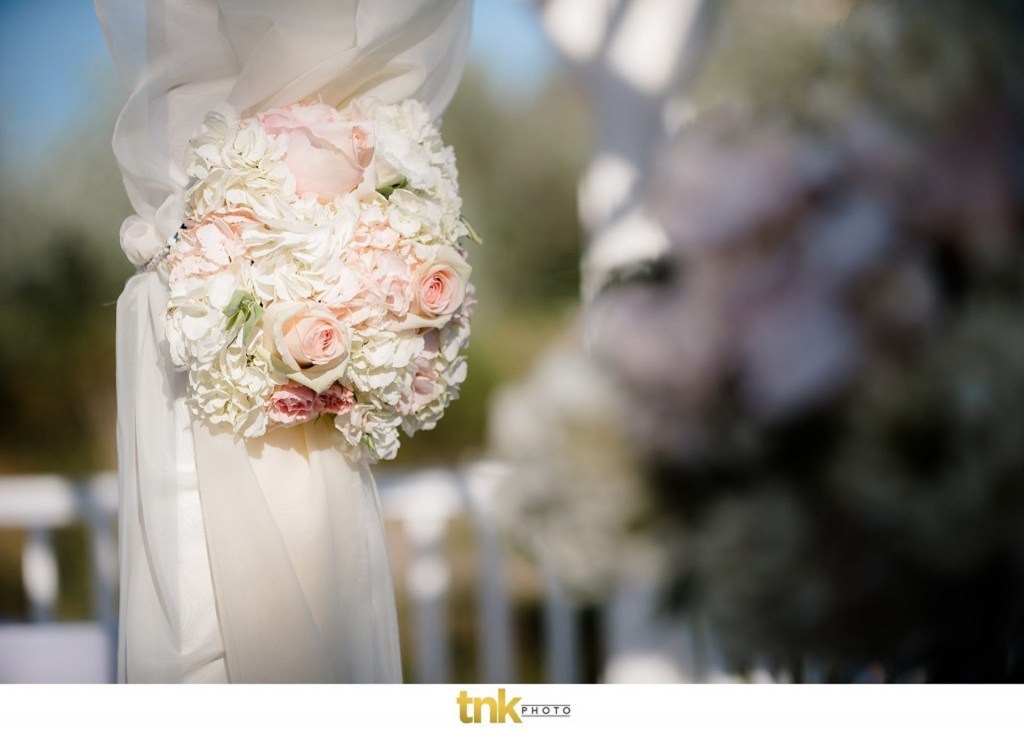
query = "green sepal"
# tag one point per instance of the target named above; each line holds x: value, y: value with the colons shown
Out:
x: 471, y: 232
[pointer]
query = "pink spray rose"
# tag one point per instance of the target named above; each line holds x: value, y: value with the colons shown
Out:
x: 307, y: 342
x: 335, y: 400
x: 291, y: 403
x: 327, y: 154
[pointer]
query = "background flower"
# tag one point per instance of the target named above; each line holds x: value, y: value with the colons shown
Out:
x: 828, y: 367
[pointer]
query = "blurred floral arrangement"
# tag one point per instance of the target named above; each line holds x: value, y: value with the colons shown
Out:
x: 824, y: 379
x: 320, y: 272
x: 574, y: 497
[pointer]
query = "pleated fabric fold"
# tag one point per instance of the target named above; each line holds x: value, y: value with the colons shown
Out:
x: 299, y: 560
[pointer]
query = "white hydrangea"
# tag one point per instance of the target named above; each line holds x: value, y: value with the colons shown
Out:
x: 370, y: 427
x: 406, y: 141
x: 237, y: 165
x: 196, y: 330
x: 365, y: 265
x: 378, y: 366
x: 410, y: 148
x: 232, y: 389
x: 449, y: 376
x: 415, y: 217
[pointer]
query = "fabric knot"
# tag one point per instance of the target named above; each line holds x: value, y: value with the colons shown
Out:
x: 140, y: 241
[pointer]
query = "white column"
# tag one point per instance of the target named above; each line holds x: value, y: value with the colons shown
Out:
x: 632, y: 56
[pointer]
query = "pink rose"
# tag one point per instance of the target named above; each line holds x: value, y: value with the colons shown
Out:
x: 327, y: 154
x: 307, y: 342
x: 290, y: 404
x: 314, y: 339
x: 439, y: 288
x: 336, y: 400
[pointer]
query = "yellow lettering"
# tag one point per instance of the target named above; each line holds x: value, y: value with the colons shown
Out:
x: 490, y: 704
x: 463, y: 701
x: 508, y: 709
x: 499, y: 710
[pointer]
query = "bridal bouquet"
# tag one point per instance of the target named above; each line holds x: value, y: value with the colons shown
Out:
x: 319, y: 272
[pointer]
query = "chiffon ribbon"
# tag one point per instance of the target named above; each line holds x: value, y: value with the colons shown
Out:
x: 258, y: 561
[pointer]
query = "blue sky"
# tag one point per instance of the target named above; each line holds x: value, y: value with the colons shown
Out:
x: 52, y: 56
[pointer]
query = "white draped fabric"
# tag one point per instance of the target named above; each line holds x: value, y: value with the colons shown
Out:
x: 258, y: 561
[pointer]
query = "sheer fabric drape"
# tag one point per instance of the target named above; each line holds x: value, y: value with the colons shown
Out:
x: 259, y: 561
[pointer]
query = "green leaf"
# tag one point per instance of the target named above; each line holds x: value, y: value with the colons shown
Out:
x: 243, y: 311
x: 368, y: 442
x: 235, y: 304
x: 388, y: 189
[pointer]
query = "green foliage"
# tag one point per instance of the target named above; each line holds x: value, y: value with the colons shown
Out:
x: 61, y: 271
